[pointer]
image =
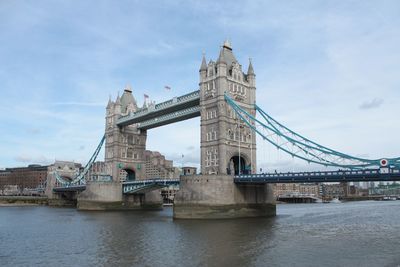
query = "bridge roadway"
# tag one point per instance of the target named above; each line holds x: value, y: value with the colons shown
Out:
x: 143, y: 186
x: 367, y: 175
x: 174, y: 110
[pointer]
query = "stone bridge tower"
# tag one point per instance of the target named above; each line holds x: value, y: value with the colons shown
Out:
x: 228, y: 146
x: 124, y: 147
x: 125, y: 161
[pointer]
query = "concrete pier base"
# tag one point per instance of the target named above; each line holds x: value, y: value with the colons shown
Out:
x: 65, y: 199
x: 218, y: 197
x: 108, y: 196
x: 62, y: 202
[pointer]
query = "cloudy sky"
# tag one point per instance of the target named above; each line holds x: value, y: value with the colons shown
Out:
x: 329, y: 70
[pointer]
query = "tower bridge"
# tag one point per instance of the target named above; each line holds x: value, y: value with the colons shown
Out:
x: 228, y: 185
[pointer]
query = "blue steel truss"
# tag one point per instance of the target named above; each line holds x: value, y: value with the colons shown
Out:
x: 79, y: 178
x: 300, y: 147
x: 143, y: 186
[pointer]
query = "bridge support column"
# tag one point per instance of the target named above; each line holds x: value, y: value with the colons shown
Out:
x: 64, y: 199
x: 218, y: 197
x: 108, y: 196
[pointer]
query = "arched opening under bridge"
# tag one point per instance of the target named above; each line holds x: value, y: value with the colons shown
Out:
x: 237, y: 165
x: 130, y: 174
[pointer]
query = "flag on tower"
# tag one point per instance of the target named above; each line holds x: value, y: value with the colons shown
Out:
x: 146, y: 96
x: 167, y: 87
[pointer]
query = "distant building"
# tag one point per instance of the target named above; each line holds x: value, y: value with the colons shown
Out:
x: 189, y: 170
x: 387, y: 190
x: 22, y: 178
x: 311, y: 189
x: 10, y: 190
x: 158, y: 167
x: 98, y: 172
x: 285, y: 189
x: 330, y: 191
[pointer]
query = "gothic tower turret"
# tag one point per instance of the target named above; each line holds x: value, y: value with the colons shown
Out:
x: 228, y: 146
x: 203, y: 68
x: 124, y: 154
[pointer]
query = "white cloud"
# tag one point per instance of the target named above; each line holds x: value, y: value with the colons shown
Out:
x: 38, y: 159
x: 374, y: 103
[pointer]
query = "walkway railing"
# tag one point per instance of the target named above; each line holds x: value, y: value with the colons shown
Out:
x: 137, y: 186
x: 169, y: 104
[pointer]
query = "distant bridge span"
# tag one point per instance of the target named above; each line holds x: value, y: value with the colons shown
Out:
x: 367, y: 175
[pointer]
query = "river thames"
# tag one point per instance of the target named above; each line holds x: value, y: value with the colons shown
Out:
x: 344, y: 234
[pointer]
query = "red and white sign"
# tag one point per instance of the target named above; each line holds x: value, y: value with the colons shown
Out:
x: 383, y: 162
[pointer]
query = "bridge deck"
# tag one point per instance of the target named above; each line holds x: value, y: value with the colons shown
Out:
x: 169, y: 118
x: 368, y: 175
x: 171, y: 106
x: 143, y: 186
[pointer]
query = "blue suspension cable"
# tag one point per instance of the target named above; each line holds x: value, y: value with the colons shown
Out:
x: 306, y: 145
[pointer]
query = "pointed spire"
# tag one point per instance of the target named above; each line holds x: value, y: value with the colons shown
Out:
x: 128, y: 88
x: 250, y: 70
x: 109, y: 102
x: 221, y: 58
x: 118, y: 100
x: 203, y: 63
x: 227, y: 44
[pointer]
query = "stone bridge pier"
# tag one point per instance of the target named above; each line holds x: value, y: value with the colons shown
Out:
x: 66, y: 170
x: 228, y: 147
x: 218, y: 197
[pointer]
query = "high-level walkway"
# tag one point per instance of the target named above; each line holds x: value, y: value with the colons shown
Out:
x: 174, y: 110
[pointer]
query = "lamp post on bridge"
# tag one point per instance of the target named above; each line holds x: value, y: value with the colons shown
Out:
x: 238, y: 126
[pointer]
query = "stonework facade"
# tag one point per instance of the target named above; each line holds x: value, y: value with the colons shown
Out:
x: 222, y: 132
x: 126, y: 157
x: 125, y: 147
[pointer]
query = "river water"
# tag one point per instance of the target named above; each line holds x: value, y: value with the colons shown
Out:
x: 345, y: 234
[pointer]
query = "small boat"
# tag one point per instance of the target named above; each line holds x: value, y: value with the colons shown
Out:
x: 336, y: 200
x: 387, y: 198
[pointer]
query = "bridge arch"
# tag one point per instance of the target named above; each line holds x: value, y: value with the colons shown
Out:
x: 233, y: 166
x: 129, y: 173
